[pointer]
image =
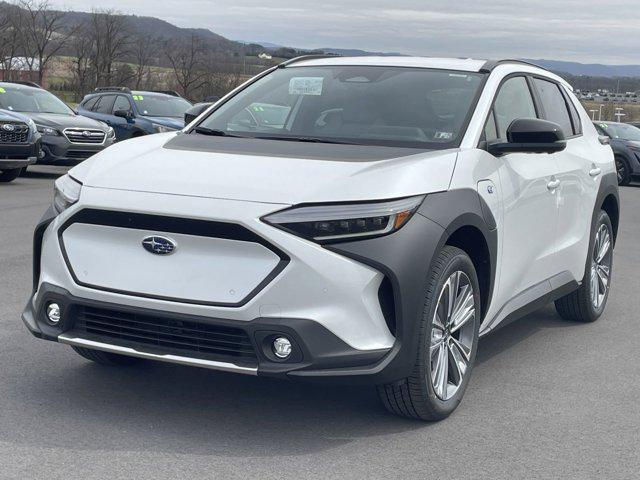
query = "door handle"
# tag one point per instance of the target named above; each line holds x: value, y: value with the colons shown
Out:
x: 553, y: 185
x: 594, y: 172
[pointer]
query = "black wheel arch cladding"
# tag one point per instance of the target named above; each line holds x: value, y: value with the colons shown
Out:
x: 406, y: 258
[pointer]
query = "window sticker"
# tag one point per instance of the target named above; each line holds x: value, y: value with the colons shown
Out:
x: 443, y: 136
x: 306, y: 86
x: 2, y: 90
x: 138, y: 98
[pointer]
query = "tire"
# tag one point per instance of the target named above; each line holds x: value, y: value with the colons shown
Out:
x: 418, y: 396
x: 623, y: 170
x: 23, y: 171
x: 7, y: 176
x: 106, y: 358
x: 580, y: 305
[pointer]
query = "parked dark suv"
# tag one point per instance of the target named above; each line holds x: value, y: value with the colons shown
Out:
x: 135, y: 113
x: 625, y: 142
x: 67, y: 138
x: 19, y: 144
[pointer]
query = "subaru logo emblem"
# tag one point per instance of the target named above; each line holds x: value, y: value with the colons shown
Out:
x: 86, y: 133
x: 159, y: 245
x: 8, y: 127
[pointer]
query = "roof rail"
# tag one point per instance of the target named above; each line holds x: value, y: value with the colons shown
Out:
x: 491, y: 64
x: 26, y: 83
x: 112, y: 89
x: 302, y: 58
x: 173, y: 93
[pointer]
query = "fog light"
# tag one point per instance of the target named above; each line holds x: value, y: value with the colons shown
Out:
x: 53, y: 313
x: 282, y: 347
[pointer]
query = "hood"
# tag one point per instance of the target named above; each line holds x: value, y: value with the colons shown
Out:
x: 65, y: 121
x: 632, y: 144
x: 171, y: 122
x: 266, y: 170
x: 9, y: 115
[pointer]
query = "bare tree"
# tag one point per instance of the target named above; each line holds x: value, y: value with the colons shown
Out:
x: 11, y: 38
x: 111, y: 43
x: 82, y: 50
x: 144, y: 51
x: 43, y: 33
x: 187, y: 61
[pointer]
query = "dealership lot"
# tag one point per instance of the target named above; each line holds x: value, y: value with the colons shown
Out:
x: 548, y: 399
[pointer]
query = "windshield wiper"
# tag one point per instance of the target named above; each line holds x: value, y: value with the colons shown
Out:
x: 214, y: 132
x: 305, y: 139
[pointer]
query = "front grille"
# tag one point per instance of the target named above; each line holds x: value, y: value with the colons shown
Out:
x: 166, y: 335
x: 14, y: 132
x: 80, y: 135
x: 80, y: 154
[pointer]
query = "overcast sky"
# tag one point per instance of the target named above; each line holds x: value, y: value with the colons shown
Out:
x: 581, y: 30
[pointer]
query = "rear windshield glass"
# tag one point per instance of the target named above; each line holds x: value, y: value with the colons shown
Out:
x: 160, y: 105
x: 392, y: 106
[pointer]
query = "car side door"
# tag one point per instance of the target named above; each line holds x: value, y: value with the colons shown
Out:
x: 103, y: 108
x: 529, y: 197
x: 122, y: 126
x: 578, y: 174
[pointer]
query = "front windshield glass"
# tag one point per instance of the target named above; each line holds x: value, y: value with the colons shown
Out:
x: 621, y: 131
x: 31, y: 100
x: 160, y: 105
x: 393, y: 106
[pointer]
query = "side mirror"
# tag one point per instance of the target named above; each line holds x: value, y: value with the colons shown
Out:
x: 530, y: 135
x: 126, y: 114
x: 195, y: 111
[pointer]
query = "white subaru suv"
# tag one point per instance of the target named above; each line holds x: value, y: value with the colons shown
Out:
x: 336, y: 219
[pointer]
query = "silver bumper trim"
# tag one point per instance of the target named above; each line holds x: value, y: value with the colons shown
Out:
x: 192, y: 362
x: 8, y: 163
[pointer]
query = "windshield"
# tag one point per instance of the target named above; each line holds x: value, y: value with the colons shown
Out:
x: 392, y: 106
x: 31, y: 100
x: 621, y: 131
x: 151, y: 105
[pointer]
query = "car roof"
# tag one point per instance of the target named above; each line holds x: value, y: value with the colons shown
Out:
x: 458, y: 64
x: 18, y: 86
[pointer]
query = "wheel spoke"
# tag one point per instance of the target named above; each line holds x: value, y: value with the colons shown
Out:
x: 594, y: 287
x: 459, y: 361
x: 441, y: 374
x: 452, y: 290
x: 603, y: 279
x: 603, y: 245
x: 437, y: 321
x: 465, y: 311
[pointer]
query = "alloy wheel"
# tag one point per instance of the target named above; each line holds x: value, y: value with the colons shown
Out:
x: 452, y: 335
x: 601, y: 266
x: 621, y: 170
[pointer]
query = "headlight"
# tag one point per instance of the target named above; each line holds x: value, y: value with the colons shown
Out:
x: 111, y: 132
x: 66, y: 192
x: 44, y: 130
x: 325, y: 223
x: 162, y: 128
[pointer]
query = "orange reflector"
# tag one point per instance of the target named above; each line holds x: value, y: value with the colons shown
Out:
x: 401, y: 218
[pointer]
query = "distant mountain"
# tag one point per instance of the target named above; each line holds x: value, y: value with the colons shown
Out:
x: 346, y: 52
x: 590, y: 69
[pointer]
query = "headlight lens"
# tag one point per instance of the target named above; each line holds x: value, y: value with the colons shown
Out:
x: 44, y: 130
x: 162, y: 128
x: 326, y: 223
x: 111, y: 132
x: 66, y: 192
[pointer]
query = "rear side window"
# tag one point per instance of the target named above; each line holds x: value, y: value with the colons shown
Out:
x: 89, y: 104
x: 575, y: 116
x: 554, y: 105
x: 513, y: 102
x: 105, y: 104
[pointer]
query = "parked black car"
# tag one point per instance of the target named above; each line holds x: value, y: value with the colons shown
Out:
x: 19, y: 144
x: 67, y: 138
x: 625, y: 142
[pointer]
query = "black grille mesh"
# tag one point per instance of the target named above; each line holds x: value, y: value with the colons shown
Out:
x: 167, y: 335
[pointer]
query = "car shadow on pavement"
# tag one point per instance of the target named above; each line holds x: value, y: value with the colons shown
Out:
x: 173, y: 409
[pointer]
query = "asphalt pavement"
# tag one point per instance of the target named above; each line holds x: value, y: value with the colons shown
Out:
x: 548, y: 399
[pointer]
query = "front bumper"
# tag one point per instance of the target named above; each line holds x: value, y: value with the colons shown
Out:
x: 18, y: 155
x: 58, y: 150
x: 351, y: 312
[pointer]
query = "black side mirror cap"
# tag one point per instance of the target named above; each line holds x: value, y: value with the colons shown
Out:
x: 530, y: 135
x: 192, y: 113
x: 123, y: 114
